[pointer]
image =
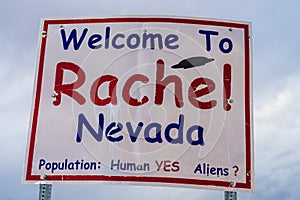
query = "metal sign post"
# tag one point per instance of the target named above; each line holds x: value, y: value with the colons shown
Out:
x: 230, y: 195
x: 45, y: 191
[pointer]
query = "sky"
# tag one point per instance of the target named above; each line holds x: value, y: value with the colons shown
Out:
x: 276, y: 88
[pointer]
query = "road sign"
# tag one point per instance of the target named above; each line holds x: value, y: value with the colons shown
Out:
x: 158, y: 101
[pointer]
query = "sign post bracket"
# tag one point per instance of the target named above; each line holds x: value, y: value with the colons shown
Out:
x: 228, y: 195
x: 45, y: 191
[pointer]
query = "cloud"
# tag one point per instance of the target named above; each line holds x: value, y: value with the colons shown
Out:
x: 276, y: 141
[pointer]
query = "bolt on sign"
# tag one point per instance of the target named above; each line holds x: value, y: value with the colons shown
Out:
x: 145, y: 100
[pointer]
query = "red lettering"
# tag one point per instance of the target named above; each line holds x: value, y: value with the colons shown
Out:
x: 159, y: 165
x: 162, y: 82
x: 126, y: 90
x: 193, y: 93
x: 198, y: 88
x: 68, y: 89
x: 167, y: 165
x: 227, y: 86
x: 112, y: 96
x: 175, y: 166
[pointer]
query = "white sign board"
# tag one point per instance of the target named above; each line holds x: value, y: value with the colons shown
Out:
x: 160, y: 101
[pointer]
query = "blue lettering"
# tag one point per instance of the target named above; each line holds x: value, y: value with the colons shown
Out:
x: 54, y: 167
x: 48, y: 166
x: 107, y: 36
x: 109, y: 132
x: 134, y: 134
x: 179, y: 127
x: 41, y: 163
x: 199, y: 130
x: 94, y: 39
x: 114, y: 41
x: 157, y: 137
x: 72, y: 37
x: 83, y: 121
x: 115, y: 165
x: 213, y: 171
x: 152, y: 37
x: 170, y: 39
x: 226, y: 172
x: 208, y: 170
x: 207, y: 35
x: 174, y: 132
x: 198, y: 169
x: 120, y: 40
x: 230, y: 45
x: 130, y: 44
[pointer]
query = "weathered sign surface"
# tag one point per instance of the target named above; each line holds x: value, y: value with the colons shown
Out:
x: 160, y: 101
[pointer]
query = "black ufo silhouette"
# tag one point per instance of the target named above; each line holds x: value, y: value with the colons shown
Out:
x: 192, y: 62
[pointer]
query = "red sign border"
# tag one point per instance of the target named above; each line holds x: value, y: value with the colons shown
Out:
x: 248, y: 109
